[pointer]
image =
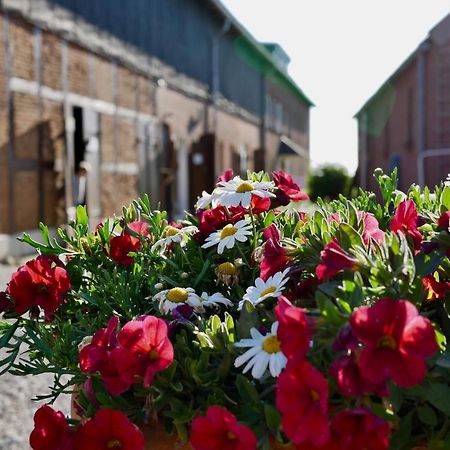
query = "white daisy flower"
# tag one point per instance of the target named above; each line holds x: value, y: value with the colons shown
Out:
x: 264, y: 352
x: 171, y: 298
x: 214, y: 300
x: 204, y: 201
x: 447, y: 181
x: 239, y: 192
x: 272, y: 287
x: 228, y: 235
x: 175, y: 235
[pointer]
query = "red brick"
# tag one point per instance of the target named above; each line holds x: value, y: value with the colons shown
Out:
x: 78, y: 70
x: 51, y: 61
x: 22, y: 39
x: 26, y: 124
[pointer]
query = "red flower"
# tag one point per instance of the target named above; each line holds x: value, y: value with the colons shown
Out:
x: 397, y: 340
x: 98, y: 356
x: 50, y: 430
x: 219, y: 430
x: 147, y: 341
x: 40, y: 282
x: 334, y: 259
x: 294, y: 331
x: 227, y: 175
x: 121, y: 246
x: 109, y: 429
x: 302, y: 399
x: 444, y: 221
x: 5, y: 302
x: 361, y: 429
x: 405, y: 221
x: 260, y: 205
x: 371, y: 229
x: 350, y: 381
x: 435, y: 290
x: 288, y: 189
x: 210, y: 220
x: 275, y: 258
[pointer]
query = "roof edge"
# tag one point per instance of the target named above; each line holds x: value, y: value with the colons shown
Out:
x: 225, y: 12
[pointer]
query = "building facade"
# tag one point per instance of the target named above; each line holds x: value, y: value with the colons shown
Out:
x: 101, y: 102
x: 406, y: 124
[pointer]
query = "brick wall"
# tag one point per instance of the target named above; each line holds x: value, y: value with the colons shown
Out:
x: 23, y: 50
x: 51, y: 61
x: 78, y: 70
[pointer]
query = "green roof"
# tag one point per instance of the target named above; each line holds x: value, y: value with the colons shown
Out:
x: 258, y: 56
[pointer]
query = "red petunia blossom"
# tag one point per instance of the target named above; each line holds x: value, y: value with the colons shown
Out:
x: 275, y: 258
x: 50, y: 430
x: 121, y: 246
x: 444, y: 221
x: 405, y: 221
x: 350, y: 381
x: 260, y: 205
x: 219, y: 430
x: 294, y: 331
x: 361, y: 429
x: 227, y: 175
x: 109, y: 429
x: 6, y: 303
x: 371, y: 229
x: 210, y: 220
x: 98, y: 356
x: 288, y: 189
x: 147, y: 341
x: 435, y: 290
x: 302, y: 399
x: 397, y: 341
x: 334, y: 259
x: 40, y: 282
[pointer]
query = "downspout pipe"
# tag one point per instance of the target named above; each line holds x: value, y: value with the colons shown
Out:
x: 421, y: 111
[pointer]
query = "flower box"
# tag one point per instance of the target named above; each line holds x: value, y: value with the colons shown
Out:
x: 248, y: 324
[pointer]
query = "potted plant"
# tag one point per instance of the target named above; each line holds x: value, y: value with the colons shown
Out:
x: 248, y: 324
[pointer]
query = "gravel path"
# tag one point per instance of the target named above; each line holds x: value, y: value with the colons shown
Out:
x: 16, y: 407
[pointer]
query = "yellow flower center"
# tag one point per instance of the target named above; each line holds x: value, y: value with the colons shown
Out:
x: 227, y: 268
x: 153, y: 354
x: 227, y: 231
x: 271, y: 345
x: 231, y: 436
x: 177, y: 295
x: 387, y: 341
x: 245, y: 186
x: 114, y: 443
x: 170, y: 231
x: 314, y: 395
x: 269, y: 290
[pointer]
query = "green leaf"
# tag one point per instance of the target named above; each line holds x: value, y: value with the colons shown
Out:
x: 445, y: 199
x: 427, y: 415
x: 7, y: 332
x: 82, y: 217
x: 273, y: 417
x: 444, y: 361
x: 438, y: 394
x: 247, y: 390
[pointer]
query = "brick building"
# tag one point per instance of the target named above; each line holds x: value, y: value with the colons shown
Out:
x: 406, y: 123
x: 158, y: 98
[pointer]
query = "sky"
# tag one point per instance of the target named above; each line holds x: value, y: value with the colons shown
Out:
x: 341, y: 52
